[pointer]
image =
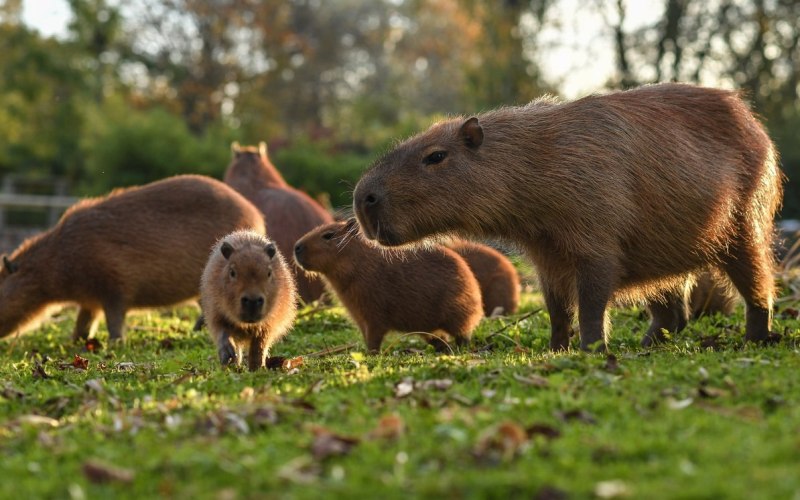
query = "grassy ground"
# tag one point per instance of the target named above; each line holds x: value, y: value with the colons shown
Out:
x: 703, y: 417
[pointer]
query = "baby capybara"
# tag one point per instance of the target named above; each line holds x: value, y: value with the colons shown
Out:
x: 496, y: 275
x: 289, y: 213
x: 138, y: 247
x: 430, y: 290
x: 248, y: 297
x: 614, y: 197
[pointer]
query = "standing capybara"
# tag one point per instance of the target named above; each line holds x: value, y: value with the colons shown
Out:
x: 620, y: 196
x: 289, y: 213
x: 430, y: 291
x: 138, y: 247
x: 496, y: 275
x: 248, y: 297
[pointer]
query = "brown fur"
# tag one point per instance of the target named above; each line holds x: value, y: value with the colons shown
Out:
x: 496, y: 276
x: 429, y: 290
x: 248, y: 297
x: 620, y: 196
x: 711, y: 296
x: 138, y: 247
x: 289, y: 213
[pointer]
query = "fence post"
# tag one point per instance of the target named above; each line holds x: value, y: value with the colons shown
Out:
x: 8, y: 188
x: 54, y: 213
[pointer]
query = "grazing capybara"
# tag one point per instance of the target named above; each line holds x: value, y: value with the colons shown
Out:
x: 138, y: 247
x: 429, y: 291
x: 496, y: 275
x: 289, y: 213
x: 248, y: 297
x: 614, y: 197
x: 711, y: 296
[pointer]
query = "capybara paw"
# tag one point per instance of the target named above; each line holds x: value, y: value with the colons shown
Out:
x: 654, y: 337
x: 227, y: 355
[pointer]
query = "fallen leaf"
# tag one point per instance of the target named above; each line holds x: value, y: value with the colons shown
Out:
x: 611, y: 489
x: 534, y: 380
x: 545, y: 430
x: 95, y: 385
x: 125, y: 365
x: 36, y: 421
x: 328, y: 444
x: 679, y: 404
x: 580, y: 415
x: 389, y: 427
x: 264, y: 416
x: 438, y: 384
x: 38, y: 371
x: 403, y: 388
x: 80, y: 363
x: 708, y: 392
x: 302, y: 470
x: 97, y: 472
x: 500, y: 443
x: 292, y: 363
x: 790, y: 313
x: 9, y: 392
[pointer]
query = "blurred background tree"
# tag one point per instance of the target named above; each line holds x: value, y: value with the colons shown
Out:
x: 138, y: 90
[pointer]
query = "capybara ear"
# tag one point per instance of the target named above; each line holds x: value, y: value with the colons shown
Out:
x: 270, y: 249
x: 11, y: 267
x: 472, y: 132
x: 226, y: 249
x: 262, y: 149
x: 235, y: 148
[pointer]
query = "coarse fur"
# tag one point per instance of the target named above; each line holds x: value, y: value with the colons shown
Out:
x: 711, y: 295
x: 138, y: 247
x: 289, y: 213
x: 496, y: 275
x: 248, y: 297
x: 614, y: 197
x: 428, y: 290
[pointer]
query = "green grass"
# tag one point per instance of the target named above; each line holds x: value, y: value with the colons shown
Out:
x: 505, y: 417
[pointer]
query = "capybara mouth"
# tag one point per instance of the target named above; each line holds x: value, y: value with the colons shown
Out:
x: 250, y: 317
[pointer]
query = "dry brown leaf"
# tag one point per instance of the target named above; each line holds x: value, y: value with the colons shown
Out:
x: 403, y: 388
x: 80, y: 363
x: 328, y: 444
x: 389, y: 427
x: 580, y: 415
x: 501, y: 443
x: 98, y: 472
x: 545, y: 430
x: 534, y: 380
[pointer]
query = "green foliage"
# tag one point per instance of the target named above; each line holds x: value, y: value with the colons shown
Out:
x: 703, y: 417
x: 126, y: 147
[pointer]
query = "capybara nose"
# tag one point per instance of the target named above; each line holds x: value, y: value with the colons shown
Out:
x: 254, y: 303
x: 298, y: 249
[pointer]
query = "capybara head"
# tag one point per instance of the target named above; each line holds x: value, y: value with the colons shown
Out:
x: 421, y: 187
x: 247, y: 269
x: 318, y: 251
x: 20, y: 297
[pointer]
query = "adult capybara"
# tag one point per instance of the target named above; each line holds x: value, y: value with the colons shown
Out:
x: 289, y: 213
x: 138, y: 247
x: 248, y: 297
x: 620, y: 196
x: 429, y: 291
x: 710, y: 296
x: 496, y: 275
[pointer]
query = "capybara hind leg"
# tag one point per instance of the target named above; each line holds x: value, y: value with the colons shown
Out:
x: 671, y: 313
x: 85, y: 323
x: 199, y: 324
x: 750, y: 270
x: 227, y: 350
x: 115, y: 320
x: 595, y: 284
x: 562, y: 315
x: 439, y: 340
x: 258, y: 354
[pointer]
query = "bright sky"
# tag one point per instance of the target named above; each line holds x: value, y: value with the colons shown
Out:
x: 578, y: 56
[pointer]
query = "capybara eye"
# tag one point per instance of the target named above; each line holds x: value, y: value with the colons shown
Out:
x: 269, y: 274
x: 435, y: 157
x: 328, y: 235
x: 233, y: 273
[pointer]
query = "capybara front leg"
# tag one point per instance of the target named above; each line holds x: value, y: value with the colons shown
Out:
x: 115, y: 320
x: 257, y: 355
x: 595, y: 284
x: 374, y: 338
x: 751, y: 272
x: 85, y: 323
x: 671, y: 313
x: 227, y: 350
x: 561, y: 317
